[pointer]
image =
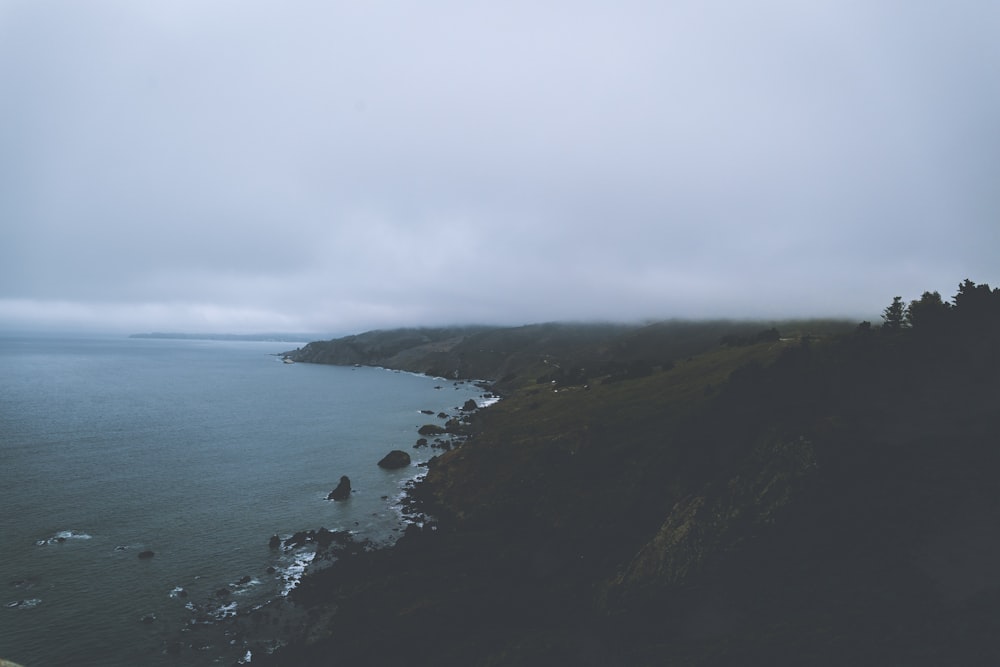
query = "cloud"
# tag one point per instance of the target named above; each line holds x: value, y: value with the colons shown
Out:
x: 334, y: 166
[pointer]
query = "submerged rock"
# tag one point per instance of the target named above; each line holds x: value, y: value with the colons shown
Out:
x: 397, y: 458
x: 148, y: 553
x: 343, y: 490
x: 299, y: 538
x: 23, y: 604
x: 324, y: 537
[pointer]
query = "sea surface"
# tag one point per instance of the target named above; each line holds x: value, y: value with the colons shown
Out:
x: 198, y: 451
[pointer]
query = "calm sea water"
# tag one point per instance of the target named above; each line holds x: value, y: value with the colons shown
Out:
x: 198, y: 451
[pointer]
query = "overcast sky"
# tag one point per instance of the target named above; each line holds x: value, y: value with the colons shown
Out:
x: 241, y: 165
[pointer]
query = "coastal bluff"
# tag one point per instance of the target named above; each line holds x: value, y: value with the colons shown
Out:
x: 821, y: 496
x: 509, y: 357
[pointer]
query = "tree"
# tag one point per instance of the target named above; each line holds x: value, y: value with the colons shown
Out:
x: 977, y: 303
x: 929, y: 313
x: 894, y: 316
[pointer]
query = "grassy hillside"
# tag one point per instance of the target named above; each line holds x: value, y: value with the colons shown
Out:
x: 513, y: 356
x: 803, y: 500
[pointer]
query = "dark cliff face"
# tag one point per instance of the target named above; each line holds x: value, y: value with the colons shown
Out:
x: 797, y: 501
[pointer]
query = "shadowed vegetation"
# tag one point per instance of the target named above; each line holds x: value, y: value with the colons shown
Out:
x: 780, y: 499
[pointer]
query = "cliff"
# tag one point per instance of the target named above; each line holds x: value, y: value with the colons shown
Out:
x: 795, y: 501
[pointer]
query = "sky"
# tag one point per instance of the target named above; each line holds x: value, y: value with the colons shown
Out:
x: 320, y: 166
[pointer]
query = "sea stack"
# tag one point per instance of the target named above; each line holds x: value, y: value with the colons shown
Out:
x: 343, y: 490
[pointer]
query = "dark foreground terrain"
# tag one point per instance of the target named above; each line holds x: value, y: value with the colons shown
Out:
x: 649, y: 496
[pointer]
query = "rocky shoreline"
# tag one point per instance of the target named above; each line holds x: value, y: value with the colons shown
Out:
x: 256, y: 632
x: 292, y: 618
x: 250, y: 633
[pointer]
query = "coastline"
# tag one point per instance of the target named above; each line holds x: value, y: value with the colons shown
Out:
x: 293, y: 618
x: 611, y: 514
x: 193, y: 589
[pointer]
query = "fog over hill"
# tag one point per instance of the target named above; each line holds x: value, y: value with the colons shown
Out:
x: 816, y: 498
x: 504, y: 355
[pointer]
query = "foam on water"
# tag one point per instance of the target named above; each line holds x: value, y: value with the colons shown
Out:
x: 245, y: 587
x: 292, y: 574
x: 63, y: 536
x: 485, y: 402
x: 225, y: 611
x: 24, y: 604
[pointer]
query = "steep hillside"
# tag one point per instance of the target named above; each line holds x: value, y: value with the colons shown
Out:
x: 792, y: 501
x: 513, y: 356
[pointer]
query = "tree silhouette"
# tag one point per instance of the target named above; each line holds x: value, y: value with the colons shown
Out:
x: 929, y: 313
x: 977, y: 305
x: 894, y: 316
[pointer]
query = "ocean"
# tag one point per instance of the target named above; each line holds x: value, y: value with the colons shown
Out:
x: 198, y: 451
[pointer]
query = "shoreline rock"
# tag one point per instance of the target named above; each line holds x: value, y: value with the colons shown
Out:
x: 397, y: 458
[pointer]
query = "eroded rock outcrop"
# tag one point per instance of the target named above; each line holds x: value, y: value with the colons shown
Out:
x: 397, y: 458
x: 343, y: 490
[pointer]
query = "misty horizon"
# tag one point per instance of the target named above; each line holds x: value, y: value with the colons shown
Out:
x: 245, y: 167
x: 298, y: 336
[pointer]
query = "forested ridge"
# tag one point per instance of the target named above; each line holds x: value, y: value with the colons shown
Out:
x: 779, y: 497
